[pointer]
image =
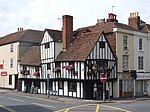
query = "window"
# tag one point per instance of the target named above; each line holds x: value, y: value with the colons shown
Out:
x: 140, y: 44
x: 48, y: 66
x: 140, y: 63
x: 10, y: 79
x: 125, y: 42
x: 11, y: 63
x: 47, y: 45
x: 125, y: 62
x: 72, y: 86
x: 102, y: 44
x: 11, y: 47
x: 24, y: 67
x: 60, y: 84
x: 127, y: 85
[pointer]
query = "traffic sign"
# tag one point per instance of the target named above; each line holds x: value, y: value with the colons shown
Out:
x: 103, y: 77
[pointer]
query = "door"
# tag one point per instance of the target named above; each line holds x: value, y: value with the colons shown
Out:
x: 89, y: 87
x: 16, y: 81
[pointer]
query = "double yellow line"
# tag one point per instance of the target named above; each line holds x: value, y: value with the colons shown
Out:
x: 8, y: 109
x: 96, y: 110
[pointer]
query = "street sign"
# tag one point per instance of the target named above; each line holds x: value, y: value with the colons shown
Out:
x: 103, y: 77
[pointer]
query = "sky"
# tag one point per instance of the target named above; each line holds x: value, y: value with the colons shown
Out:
x: 43, y: 14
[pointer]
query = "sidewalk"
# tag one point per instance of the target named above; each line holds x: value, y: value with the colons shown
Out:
x: 67, y: 99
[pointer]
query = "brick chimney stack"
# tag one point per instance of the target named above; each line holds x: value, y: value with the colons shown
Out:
x: 134, y: 20
x: 67, y: 31
x: 112, y: 18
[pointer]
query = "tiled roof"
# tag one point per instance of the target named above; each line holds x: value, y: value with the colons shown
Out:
x: 22, y: 36
x: 55, y: 34
x: 111, y: 37
x: 80, y: 48
x: 108, y: 27
x: 31, y: 56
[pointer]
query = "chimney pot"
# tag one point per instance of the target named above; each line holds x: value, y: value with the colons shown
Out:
x: 134, y: 20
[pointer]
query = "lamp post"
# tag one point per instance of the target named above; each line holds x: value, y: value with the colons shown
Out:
x: 48, y: 85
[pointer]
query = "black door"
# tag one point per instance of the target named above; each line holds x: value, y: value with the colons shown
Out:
x: 89, y: 86
x: 16, y: 81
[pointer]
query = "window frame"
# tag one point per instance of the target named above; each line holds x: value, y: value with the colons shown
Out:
x: 47, y: 45
x: 140, y: 62
x: 125, y: 42
x: 11, y: 47
x: 140, y: 44
x: 71, y: 85
x: 125, y: 62
x: 48, y: 66
x: 102, y: 44
x: 11, y: 62
x: 60, y: 85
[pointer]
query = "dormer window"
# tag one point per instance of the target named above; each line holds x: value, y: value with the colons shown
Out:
x: 47, y: 45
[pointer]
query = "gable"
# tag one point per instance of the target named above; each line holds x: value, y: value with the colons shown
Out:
x: 46, y: 38
x: 102, y: 49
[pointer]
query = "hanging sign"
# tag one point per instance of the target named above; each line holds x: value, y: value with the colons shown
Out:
x: 3, y: 73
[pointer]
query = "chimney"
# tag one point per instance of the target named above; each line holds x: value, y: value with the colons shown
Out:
x: 99, y: 21
x: 67, y: 31
x: 112, y: 18
x: 134, y: 20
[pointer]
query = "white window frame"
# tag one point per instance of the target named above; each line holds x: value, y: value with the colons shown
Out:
x: 140, y: 44
x: 11, y: 47
x: 140, y: 62
x: 11, y: 62
x: 125, y: 62
x: 125, y: 42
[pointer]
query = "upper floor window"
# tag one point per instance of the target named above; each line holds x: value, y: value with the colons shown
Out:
x: 125, y: 42
x: 24, y: 67
x: 102, y: 44
x: 140, y: 44
x: 47, y: 45
x: 140, y: 63
x: 11, y: 63
x: 11, y: 47
x: 125, y: 62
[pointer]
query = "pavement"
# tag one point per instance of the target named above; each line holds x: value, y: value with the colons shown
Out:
x: 68, y: 99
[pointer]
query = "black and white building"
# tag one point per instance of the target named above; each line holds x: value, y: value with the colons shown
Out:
x: 73, y: 62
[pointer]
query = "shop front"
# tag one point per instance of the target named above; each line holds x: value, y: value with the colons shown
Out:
x: 126, y: 85
x: 142, y: 84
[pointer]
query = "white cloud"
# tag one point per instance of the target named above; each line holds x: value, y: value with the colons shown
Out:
x: 41, y: 14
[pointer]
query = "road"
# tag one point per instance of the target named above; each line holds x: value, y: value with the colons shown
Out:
x: 15, y: 102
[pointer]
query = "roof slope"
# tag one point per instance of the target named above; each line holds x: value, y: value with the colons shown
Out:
x: 108, y: 27
x: 80, y: 48
x: 22, y: 36
x: 31, y: 56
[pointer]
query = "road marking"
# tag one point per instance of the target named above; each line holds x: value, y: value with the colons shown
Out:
x: 67, y: 109
x: 44, y: 105
x: 8, y: 109
x: 116, y: 108
x: 38, y: 98
x: 97, y: 108
x: 15, y: 99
